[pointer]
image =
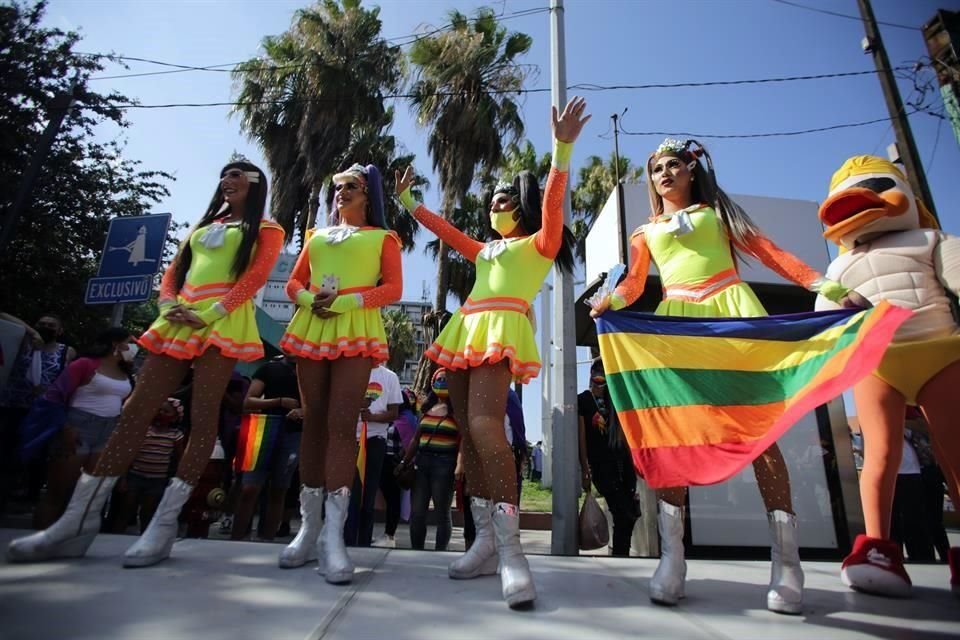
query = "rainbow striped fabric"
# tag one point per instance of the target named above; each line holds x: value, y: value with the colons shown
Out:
x: 256, y: 441
x: 701, y: 398
x: 438, y: 434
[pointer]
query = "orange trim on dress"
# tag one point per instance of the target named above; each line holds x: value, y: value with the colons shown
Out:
x: 196, y: 346
x: 523, y: 371
x: 700, y: 292
x: 494, y: 304
x: 344, y: 347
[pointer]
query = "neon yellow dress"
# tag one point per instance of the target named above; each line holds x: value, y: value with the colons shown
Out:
x: 364, y: 263
x: 698, y: 270
x: 217, y: 296
x: 492, y: 325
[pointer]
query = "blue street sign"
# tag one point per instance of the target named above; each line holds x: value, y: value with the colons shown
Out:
x: 119, y: 289
x: 134, y: 246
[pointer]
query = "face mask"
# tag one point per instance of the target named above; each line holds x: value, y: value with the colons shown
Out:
x: 47, y: 334
x: 130, y: 353
x: 503, y: 222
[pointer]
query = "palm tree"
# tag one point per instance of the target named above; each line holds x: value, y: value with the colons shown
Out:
x: 400, y: 337
x: 467, y: 79
x: 303, y: 97
x: 595, y: 182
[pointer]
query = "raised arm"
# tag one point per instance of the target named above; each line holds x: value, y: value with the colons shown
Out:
x: 792, y: 268
x: 269, y: 244
x: 566, y: 128
x: 461, y: 242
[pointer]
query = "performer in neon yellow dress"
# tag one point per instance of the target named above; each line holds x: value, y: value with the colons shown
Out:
x: 345, y: 274
x: 206, y: 323
x: 695, y: 235
x: 489, y: 341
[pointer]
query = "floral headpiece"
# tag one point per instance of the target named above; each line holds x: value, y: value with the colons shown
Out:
x: 356, y: 172
x: 673, y: 145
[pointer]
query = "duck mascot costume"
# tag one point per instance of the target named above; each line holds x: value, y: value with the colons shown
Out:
x: 891, y: 248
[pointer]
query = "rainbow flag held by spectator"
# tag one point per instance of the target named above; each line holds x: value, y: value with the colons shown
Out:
x: 701, y: 398
x: 256, y: 441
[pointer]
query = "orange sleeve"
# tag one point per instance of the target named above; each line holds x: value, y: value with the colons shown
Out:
x: 300, y: 276
x: 269, y: 244
x: 782, y: 262
x: 448, y: 233
x: 168, y: 284
x: 550, y: 236
x: 391, y: 276
x: 632, y: 286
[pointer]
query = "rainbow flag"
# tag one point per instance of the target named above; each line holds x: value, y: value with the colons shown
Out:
x: 701, y: 398
x: 256, y: 441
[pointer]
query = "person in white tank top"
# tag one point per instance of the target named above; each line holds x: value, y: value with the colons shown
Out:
x: 95, y: 387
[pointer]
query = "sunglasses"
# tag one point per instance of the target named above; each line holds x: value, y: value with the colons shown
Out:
x: 349, y: 186
x: 600, y: 381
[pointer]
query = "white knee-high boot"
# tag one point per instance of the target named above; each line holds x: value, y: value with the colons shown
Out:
x: 481, y: 558
x: 158, y: 538
x: 667, y: 584
x: 516, y: 580
x: 305, y: 546
x: 786, y: 575
x: 73, y: 533
x: 335, y: 564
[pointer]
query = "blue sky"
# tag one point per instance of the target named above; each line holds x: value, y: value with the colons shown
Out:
x: 608, y: 42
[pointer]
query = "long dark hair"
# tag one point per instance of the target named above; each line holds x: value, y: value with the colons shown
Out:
x: 616, y: 439
x: 375, y: 211
x: 704, y: 188
x: 527, y: 188
x: 254, y: 209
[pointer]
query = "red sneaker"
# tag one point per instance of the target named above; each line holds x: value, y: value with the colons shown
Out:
x: 953, y: 557
x: 876, y: 566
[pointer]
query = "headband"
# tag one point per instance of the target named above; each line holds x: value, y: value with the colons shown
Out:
x: 507, y: 188
x: 355, y: 172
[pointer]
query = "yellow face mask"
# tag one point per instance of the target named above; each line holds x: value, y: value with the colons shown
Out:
x: 503, y: 222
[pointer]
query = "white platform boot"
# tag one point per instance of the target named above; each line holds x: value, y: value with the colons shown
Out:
x: 786, y: 576
x: 73, y: 533
x: 515, y: 578
x: 481, y: 558
x: 157, y: 540
x: 335, y: 564
x: 667, y: 584
x: 305, y: 546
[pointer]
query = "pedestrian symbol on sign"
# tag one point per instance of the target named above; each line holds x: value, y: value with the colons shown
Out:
x: 137, y: 249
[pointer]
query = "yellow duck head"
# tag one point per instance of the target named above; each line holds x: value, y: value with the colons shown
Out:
x: 869, y: 197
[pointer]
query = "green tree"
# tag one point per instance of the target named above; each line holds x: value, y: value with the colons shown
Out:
x: 400, y: 337
x: 467, y: 80
x: 83, y: 183
x: 595, y: 182
x: 303, y: 98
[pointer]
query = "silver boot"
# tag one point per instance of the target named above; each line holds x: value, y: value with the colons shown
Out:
x: 667, y: 584
x: 481, y: 558
x: 786, y: 576
x: 157, y: 540
x: 335, y: 564
x: 304, y: 547
x: 71, y: 535
x: 515, y: 578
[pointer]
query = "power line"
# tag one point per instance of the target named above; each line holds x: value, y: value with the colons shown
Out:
x: 844, y: 15
x: 229, y: 67
x: 773, y: 134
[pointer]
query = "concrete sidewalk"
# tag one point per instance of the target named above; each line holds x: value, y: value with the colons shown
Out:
x: 234, y: 591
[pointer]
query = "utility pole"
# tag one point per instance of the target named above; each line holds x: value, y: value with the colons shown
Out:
x: 873, y: 44
x: 565, y: 459
x: 59, y: 107
x: 621, y: 205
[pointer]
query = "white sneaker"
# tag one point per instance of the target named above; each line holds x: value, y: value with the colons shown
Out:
x: 385, y: 541
x: 226, y: 524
